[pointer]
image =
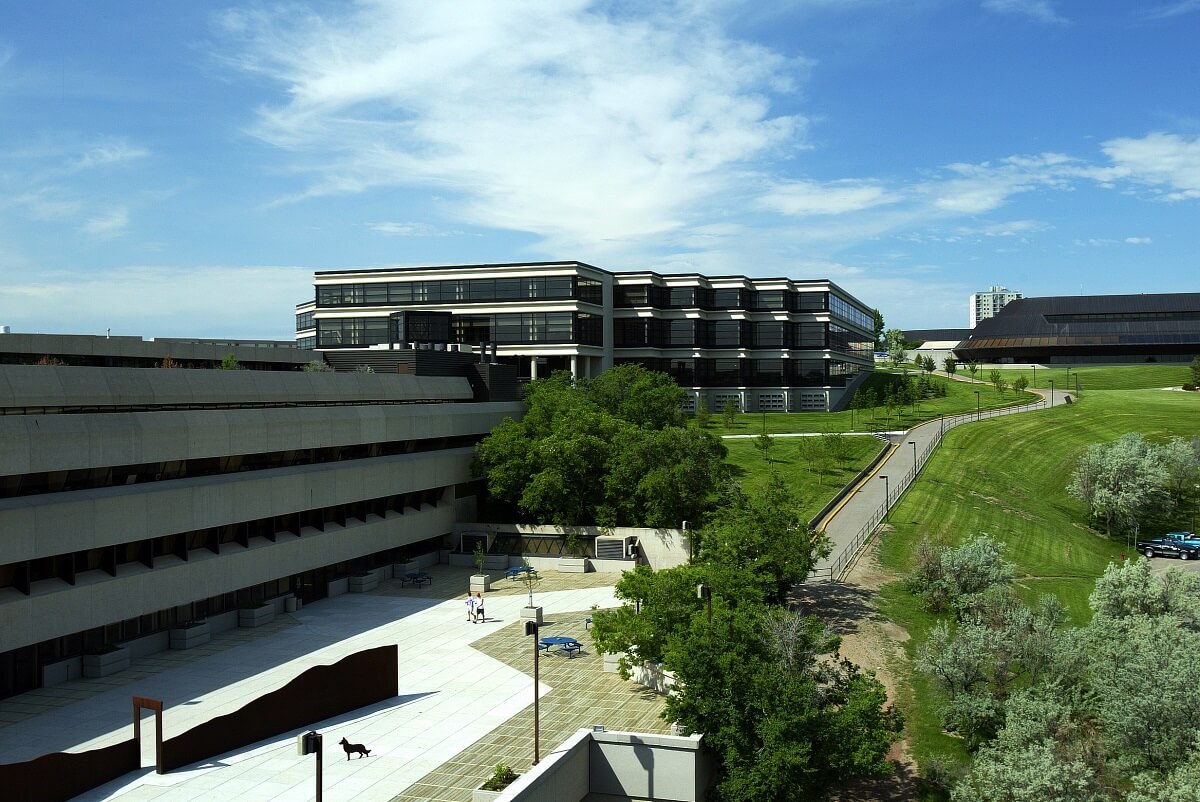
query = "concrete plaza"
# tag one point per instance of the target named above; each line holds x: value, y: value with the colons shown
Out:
x: 464, y: 704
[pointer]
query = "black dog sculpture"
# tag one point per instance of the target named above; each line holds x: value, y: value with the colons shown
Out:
x: 354, y: 749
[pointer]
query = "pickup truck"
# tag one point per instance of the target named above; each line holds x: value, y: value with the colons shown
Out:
x: 1184, y: 545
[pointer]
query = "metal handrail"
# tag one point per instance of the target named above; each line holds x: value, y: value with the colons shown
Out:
x: 841, y: 564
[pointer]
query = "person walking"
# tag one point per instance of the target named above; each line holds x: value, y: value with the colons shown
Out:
x: 479, y: 614
x: 470, y: 608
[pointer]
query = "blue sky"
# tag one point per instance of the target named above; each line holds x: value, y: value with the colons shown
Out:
x: 181, y: 169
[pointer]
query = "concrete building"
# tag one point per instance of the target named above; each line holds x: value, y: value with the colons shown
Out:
x: 135, y: 500
x: 985, y: 305
x: 773, y: 344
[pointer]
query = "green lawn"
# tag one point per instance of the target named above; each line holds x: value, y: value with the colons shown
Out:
x: 960, y: 397
x: 812, y: 490
x: 1117, y: 377
x: 1007, y: 477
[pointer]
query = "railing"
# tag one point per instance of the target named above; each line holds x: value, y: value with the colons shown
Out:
x: 841, y: 564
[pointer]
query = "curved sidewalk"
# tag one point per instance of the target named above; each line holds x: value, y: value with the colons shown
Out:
x: 851, y: 524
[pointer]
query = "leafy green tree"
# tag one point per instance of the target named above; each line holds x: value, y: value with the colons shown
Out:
x: 703, y: 416
x: 995, y: 377
x: 950, y: 365
x: 639, y: 396
x: 787, y: 722
x: 1195, y: 368
x: 729, y: 412
x: 229, y: 362
x: 1020, y: 383
x: 973, y: 367
x: 952, y: 578
x: 318, y: 366
x: 1180, y: 459
x: 763, y: 442
x: 879, y: 330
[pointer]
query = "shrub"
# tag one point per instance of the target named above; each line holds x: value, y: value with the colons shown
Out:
x: 502, y: 777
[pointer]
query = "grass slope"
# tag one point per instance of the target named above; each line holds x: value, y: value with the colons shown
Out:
x: 813, y: 491
x: 1007, y: 477
x: 1116, y: 377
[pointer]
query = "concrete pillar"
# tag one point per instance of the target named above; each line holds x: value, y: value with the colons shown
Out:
x: 533, y: 367
x: 575, y: 366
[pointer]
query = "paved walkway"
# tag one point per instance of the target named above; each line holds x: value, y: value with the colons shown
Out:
x: 452, y: 696
x: 850, y: 524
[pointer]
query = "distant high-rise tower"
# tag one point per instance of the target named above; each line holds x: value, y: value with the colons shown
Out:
x: 987, y: 304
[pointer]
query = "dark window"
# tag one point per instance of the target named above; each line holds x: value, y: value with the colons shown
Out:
x: 769, y: 335
x: 726, y: 333
x: 810, y: 335
x: 629, y: 333
x: 304, y: 320
x: 627, y: 297
x: 770, y: 299
x: 811, y: 302
x: 683, y: 297
x: 681, y: 332
x: 727, y: 299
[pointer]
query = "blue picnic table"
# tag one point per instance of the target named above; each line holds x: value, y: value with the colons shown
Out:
x: 418, y: 578
x: 512, y: 572
x: 566, y: 645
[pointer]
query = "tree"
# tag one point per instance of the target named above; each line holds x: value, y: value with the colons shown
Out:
x: 1180, y: 459
x: 763, y: 442
x: 787, y: 722
x: 895, y: 346
x: 1020, y: 383
x: 973, y: 367
x: 955, y: 578
x: 815, y: 451
x: 318, y: 366
x: 729, y: 412
x: 639, y: 396
x: 1195, y: 368
x: 229, y: 363
x: 950, y: 365
x: 1119, y: 481
x: 571, y: 461
x: 703, y: 416
x: 995, y: 378
x: 169, y: 363
x: 879, y: 331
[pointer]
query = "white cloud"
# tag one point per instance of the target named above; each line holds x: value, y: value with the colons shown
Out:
x: 548, y: 118
x: 108, y: 153
x: 1168, y: 163
x: 1138, y: 240
x: 836, y: 197
x: 413, y: 229
x: 1040, y: 10
x: 1168, y: 10
x: 107, y: 225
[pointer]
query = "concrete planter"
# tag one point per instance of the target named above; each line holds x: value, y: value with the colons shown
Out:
x: 256, y: 616
x: 481, y: 583
x: 532, y: 614
x: 291, y: 604
x: 336, y: 587
x: 573, y: 565
x: 495, y: 562
x: 191, y: 636
x: 480, y: 795
x: 362, y: 583
x: 612, y: 662
x: 105, y: 663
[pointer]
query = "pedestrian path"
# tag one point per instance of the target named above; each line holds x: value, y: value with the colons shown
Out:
x: 866, y: 505
x: 451, y: 695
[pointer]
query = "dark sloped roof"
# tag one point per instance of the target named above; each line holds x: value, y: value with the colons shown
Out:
x: 936, y: 335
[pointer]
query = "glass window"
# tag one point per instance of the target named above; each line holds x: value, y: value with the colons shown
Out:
x: 770, y: 299
x: 629, y: 332
x: 726, y: 333
x: 726, y: 372
x: 683, y: 297
x: 681, y: 332
x: 769, y: 335
x: 811, y: 301
x: 631, y: 296
x: 727, y: 298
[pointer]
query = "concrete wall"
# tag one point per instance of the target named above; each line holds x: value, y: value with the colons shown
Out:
x: 56, y: 608
x: 61, y: 523
x: 660, y: 548
x: 621, y: 764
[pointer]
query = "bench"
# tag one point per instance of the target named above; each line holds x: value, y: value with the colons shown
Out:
x: 571, y: 649
x: 514, y: 571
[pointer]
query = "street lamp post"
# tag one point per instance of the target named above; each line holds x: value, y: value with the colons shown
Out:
x: 913, y: 443
x: 531, y: 628
x: 942, y: 417
x: 887, y: 497
x: 1052, y: 393
x: 1034, y: 374
x: 1075, y: 376
x: 977, y: 406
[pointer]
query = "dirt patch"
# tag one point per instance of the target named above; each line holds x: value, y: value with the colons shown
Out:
x: 872, y: 642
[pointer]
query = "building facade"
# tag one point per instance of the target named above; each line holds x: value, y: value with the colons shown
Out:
x: 985, y: 305
x: 134, y: 501
x: 766, y: 344
x: 1089, y: 328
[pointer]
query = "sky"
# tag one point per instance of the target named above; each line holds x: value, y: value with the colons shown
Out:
x: 182, y: 169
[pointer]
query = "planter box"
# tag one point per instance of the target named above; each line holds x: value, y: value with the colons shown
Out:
x: 256, y: 616
x: 362, y: 583
x: 291, y: 604
x: 532, y: 614
x: 495, y: 561
x: 189, y: 637
x: 573, y: 565
x: 337, y: 587
x: 102, y: 665
x: 481, y: 583
x: 480, y: 795
x: 612, y: 662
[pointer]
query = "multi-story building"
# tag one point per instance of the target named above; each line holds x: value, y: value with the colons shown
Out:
x: 773, y: 344
x: 134, y: 500
x: 986, y: 304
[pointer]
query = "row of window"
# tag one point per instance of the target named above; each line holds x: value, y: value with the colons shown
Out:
x: 67, y: 567
x: 511, y: 328
x: 660, y: 333
x: 639, y: 295
x: 469, y: 290
x: 752, y: 372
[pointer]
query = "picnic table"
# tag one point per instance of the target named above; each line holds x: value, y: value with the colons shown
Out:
x: 512, y: 572
x: 566, y: 645
x: 418, y: 578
